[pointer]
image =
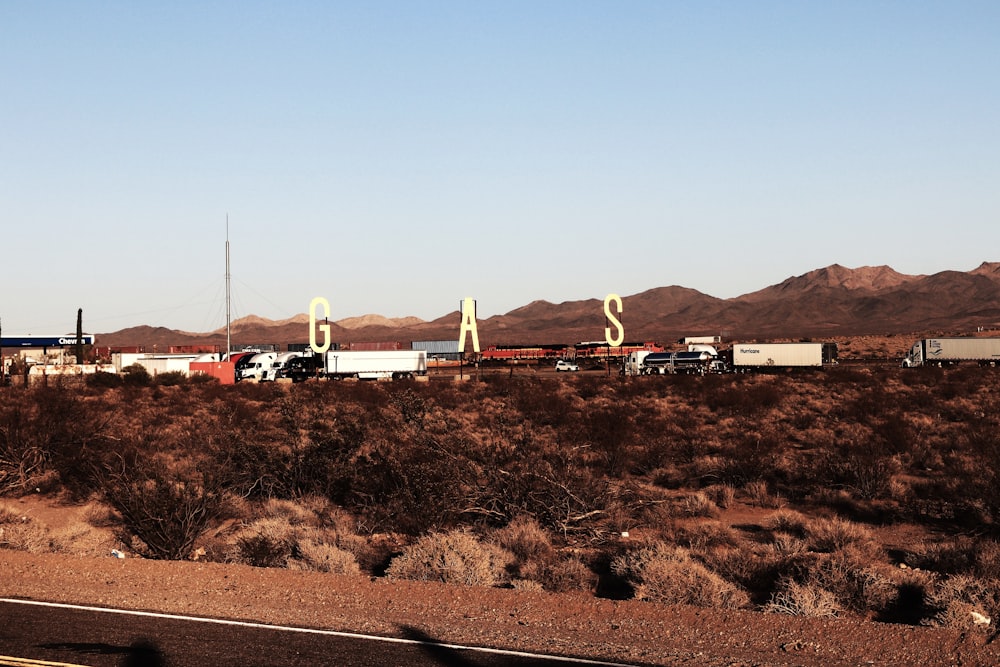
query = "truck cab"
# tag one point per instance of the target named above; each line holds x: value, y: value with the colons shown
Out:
x: 279, y: 367
x: 301, y: 368
x: 258, y: 365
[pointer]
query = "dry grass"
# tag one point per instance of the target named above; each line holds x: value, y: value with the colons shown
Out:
x: 797, y: 599
x: 456, y: 557
x: 667, y: 574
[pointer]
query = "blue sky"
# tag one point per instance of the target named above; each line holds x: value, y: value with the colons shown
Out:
x: 395, y: 157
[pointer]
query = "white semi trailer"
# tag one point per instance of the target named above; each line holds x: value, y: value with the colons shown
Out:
x: 375, y: 364
x: 749, y: 356
x: 948, y: 351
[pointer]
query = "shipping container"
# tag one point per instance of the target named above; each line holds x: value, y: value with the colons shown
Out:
x: 223, y: 371
x: 377, y: 345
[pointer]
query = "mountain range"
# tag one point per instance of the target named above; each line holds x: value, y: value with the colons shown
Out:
x: 832, y: 301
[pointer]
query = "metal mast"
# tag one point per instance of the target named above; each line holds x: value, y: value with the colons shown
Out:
x: 229, y: 341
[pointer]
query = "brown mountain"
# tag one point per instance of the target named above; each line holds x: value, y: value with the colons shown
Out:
x: 832, y: 301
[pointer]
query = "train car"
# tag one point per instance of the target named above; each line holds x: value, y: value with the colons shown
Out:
x: 601, y: 349
x: 524, y: 352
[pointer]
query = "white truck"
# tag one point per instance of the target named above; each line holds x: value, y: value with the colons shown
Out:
x: 258, y: 365
x: 750, y: 356
x: 279, y: 366
x: 948, y: 351
x: 375, y: 364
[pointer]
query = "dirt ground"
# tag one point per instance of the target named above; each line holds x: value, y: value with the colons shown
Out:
x: 578, y: 625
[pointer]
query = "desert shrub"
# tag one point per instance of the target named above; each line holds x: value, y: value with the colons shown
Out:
x: 668, y: 574
x: 525, y: 538
x: 170, y: 379
x: 324, y: 557
x: 787, y: 521
x: 559, y: 574
x: 544, y: 402
x: 698, y: 504
x: 798, y: 599
x: 758, y: 571
x: 752, y: 397
x: 136, y: 375
x: 165, y: 509
x: 48, y: 435
x: 706, y: 535
x: 104, y: 380
x: 760, y: 495
x: 267, y: 542
x: 963, y: 602
x: 455, y: 557
x: 854, y: 580
x: 609, y: 431
x: 20, y: 533
x: 526, y: 585
x: 828, y: 535
x: 723, y: 495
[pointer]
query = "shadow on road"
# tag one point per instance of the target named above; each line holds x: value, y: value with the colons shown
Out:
x: 441, y: 654
x: 140, y: 653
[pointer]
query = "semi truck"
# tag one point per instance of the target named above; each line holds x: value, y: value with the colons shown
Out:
x: 279, y: 367
x: 750, y: 356
x: 948, y: 351
x: 255, y: 367
x: 374, y: 364
x: 697, y: 359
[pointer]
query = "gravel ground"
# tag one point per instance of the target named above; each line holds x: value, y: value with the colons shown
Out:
x: 573, y: 624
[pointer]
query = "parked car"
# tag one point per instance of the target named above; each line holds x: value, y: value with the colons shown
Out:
x: 566, y: 366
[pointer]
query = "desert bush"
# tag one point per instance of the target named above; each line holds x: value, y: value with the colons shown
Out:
x: 324, y: 557
x: 723, y: 495
x: 857, y: 583
x: 787, y: 521
x: 828, y: 535
x: 957, y: 600
x: 170, y: 379
x: 609, y: 430
x: 667, y: 574
x: 698, y: 504
x: 267, y: 542
x: 455, y: 557
x: 559, y: 574
x: 525, y: 538
x: 760, y: 495
x: 136, y: 375
x: 798, y: 599
x: 102, y: 380
x: 165, y: 509
x: 20, y: 533
x: 758, y: 571
x: 704, y: 536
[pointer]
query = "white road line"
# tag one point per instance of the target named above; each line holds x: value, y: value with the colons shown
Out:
x: 315, y: 631
x: 11, y: 661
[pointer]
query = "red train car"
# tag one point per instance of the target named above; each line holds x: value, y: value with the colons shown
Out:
x: 601, y: 349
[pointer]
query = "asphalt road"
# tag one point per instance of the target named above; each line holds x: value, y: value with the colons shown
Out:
x: 62, y: 635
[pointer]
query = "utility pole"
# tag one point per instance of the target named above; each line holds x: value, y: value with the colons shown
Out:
x: 79, y: 335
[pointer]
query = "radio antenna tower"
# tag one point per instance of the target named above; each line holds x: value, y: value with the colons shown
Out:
x: 229, y: 336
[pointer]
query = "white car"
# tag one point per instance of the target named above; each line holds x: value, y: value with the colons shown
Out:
x: 563, y: 365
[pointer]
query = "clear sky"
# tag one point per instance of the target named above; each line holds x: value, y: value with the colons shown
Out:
x: 395, y: 157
